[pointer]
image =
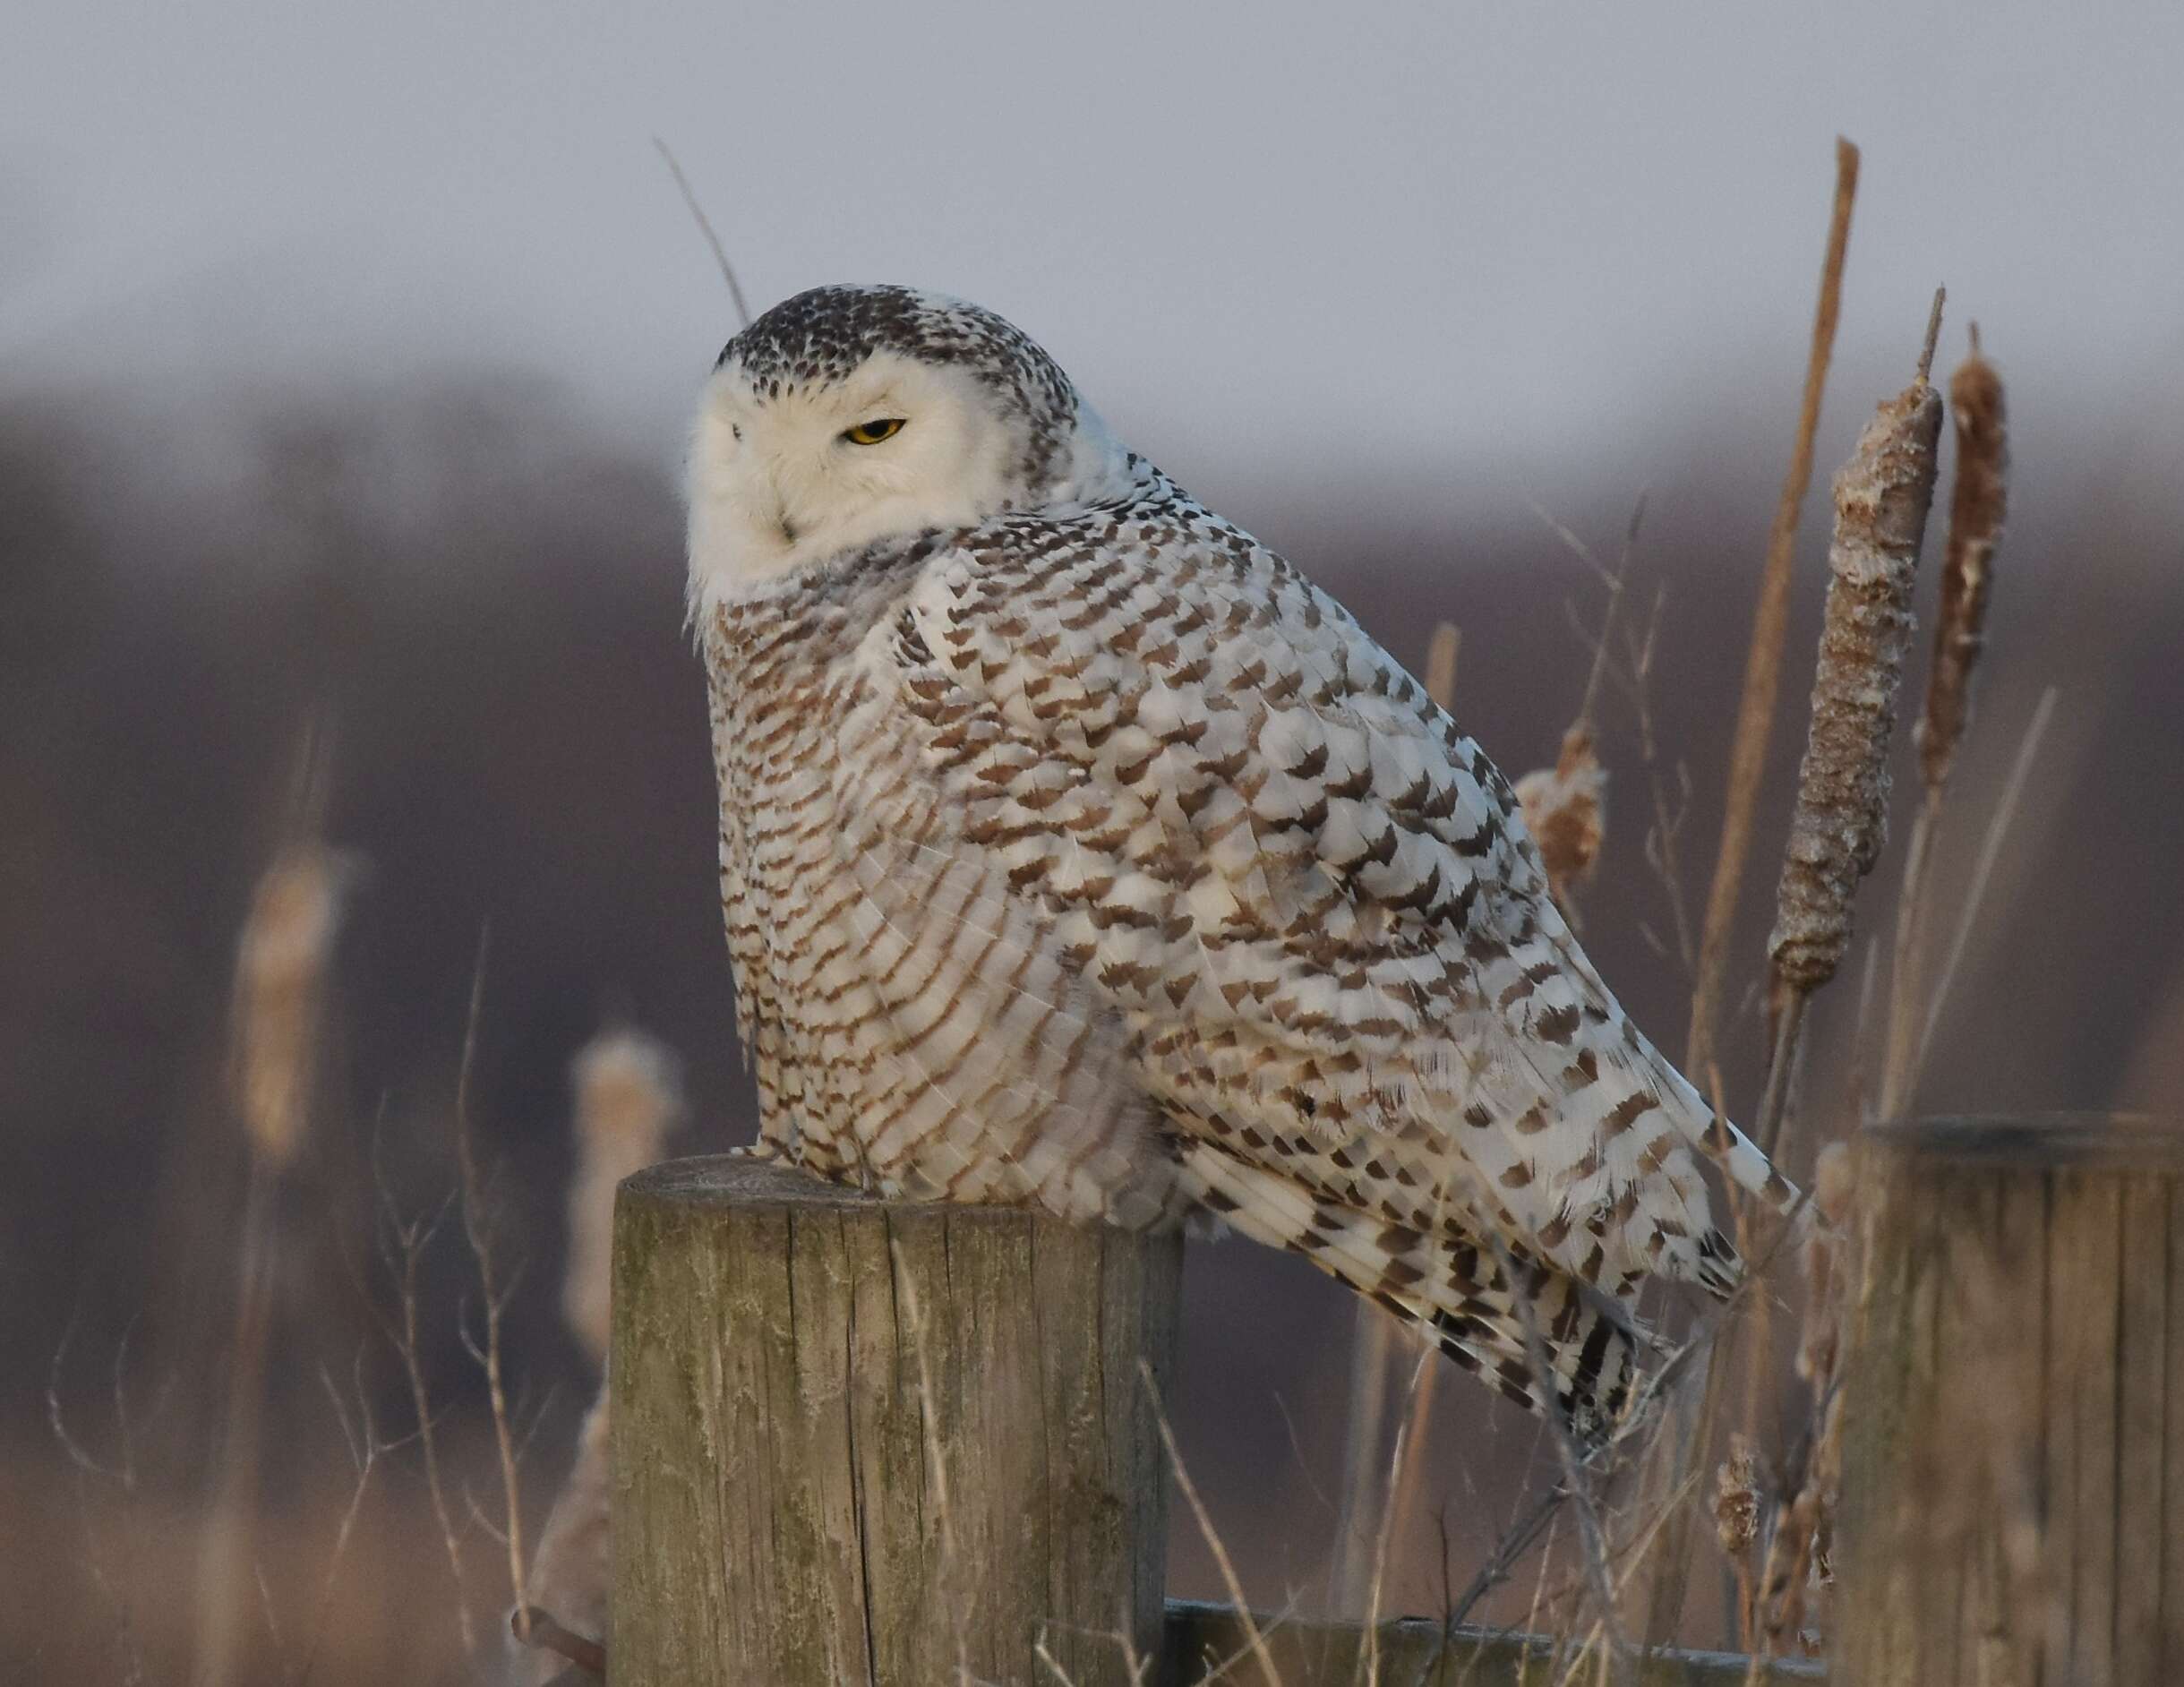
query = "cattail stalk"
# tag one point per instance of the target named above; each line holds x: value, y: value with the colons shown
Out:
x: 1978, y: 502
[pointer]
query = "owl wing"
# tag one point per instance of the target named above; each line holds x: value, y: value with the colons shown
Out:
x: 1309, y: 905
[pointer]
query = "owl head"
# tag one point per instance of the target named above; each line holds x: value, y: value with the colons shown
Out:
x: 848, y: 416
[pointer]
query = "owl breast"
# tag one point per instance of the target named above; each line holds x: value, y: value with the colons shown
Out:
x: 915, y: 1026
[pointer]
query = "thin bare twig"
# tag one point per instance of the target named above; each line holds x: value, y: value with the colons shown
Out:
x: 122, y: 1476
x: 403, y: 1242
x: 365, y: 1448
x: 496, y: 1292
x: 1427, y: 1354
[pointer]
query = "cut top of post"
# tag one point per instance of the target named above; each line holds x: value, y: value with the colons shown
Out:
x: 710, y: 1180
x: 2123, y: 1141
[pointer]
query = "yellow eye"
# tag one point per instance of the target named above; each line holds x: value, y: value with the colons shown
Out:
x: 873, y: 433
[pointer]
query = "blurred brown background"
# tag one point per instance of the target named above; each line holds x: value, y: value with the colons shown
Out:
x: 273, y: 467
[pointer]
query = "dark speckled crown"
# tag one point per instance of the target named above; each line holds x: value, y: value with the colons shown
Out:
x: 823, y: 336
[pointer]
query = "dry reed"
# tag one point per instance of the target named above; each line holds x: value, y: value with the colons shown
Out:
x: 1755, y: 718
x: 1755, y: 713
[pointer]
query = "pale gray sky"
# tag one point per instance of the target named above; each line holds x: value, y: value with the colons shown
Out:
x: 1407, y: 236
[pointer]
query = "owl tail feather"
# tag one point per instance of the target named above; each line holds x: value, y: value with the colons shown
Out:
x: 1483, y: 1309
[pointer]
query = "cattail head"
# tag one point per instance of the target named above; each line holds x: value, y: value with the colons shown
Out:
x: 629, y: 1100
x: 1979, y: 500
x: 280, y: 970
x: 1738, y: 1496
x: 1565, y: 811
x: 1881, y: 497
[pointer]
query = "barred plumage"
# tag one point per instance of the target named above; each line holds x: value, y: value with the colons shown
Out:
x: 1077, y: 850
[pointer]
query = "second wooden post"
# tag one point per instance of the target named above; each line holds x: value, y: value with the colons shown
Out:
x: 2013, y: 1447
x: 857, y: 1440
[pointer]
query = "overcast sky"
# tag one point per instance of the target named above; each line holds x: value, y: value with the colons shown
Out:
x: 1405, y: 237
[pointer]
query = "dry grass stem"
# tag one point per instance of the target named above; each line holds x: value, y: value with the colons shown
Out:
x: 1426, y: 1358
x: 1404, y: 1486
x: 365, y: 1450
x: 1770, y: 626
x: 113, y: 1583
x: 1564, y: 806
x: 1372, y: 1349
x: 1665, y: 833
x: 495, y: 1291
x: 705, y: 227
x: 1256, y: 1647
x: 403, y: 1243
x: 1441, y: 664
x: 1881, y: 497
x: 1990, y: 851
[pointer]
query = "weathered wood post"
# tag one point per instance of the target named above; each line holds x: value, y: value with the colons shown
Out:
x: 863, y: 1442
x: 2013, y: 1453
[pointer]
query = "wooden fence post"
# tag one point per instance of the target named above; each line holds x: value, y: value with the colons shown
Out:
x: 2013, y: 1450
x: 857, y: 1441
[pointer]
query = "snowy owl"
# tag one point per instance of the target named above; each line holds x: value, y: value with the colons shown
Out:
x: 1077, y: 850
